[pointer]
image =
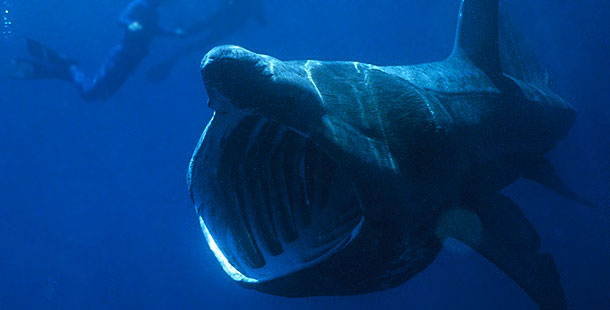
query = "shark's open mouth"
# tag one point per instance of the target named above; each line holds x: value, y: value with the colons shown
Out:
x: 271, y: 202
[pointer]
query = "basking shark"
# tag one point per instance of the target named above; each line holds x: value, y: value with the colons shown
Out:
x: 339, y: 178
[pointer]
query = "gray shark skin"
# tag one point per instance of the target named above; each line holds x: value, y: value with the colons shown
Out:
x: 339, y: 178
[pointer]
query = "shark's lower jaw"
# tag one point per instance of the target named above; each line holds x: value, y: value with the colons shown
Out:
x: 271, y: 203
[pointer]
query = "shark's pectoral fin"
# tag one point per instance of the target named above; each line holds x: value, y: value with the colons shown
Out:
x: 544, y: 173
x: 509, y: 241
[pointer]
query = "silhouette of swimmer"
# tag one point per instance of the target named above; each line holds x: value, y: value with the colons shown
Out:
x: 232, y: 16
x: 140, y: 21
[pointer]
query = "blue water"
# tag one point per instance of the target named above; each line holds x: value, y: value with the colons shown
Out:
x: 94, y: 210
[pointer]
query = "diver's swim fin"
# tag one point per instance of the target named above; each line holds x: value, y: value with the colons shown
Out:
x: 46, y: 63
x: 46, y: 54
x: 36, y: 49
x: 21, y: 69
x: 28, y: 69
x: 510, y: 241
x: 544, y: 173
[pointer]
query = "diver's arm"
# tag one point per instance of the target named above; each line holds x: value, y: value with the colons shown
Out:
x: 175, y: 33
x: 205, y: 25
x: 225, y: 14
x: 136, y: 26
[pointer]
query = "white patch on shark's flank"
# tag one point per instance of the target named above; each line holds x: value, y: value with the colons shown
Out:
x: 331, y: 127
x: 307, y: 67
x: 386, y: 149
x: 356, y: 66
x: 226, y: 266
x: 432, y: 113
x: 271, y: 68
x: 391, y: 158
x: 373, y: 67
x: 376, y: 147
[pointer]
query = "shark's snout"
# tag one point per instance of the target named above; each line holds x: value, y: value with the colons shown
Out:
x: 233, y: 77
x: 239, y: 80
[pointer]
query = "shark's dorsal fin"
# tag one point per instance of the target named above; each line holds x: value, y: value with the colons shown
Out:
x: 477, y: 35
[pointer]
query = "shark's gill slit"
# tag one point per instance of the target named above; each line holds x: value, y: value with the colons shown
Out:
x: 316, y: 192
x: 267, y: 211
x: 245, y: 238
x: 278, y: 187
x: 306, y: 201
x: 294, y: 182
x: 261, y: 210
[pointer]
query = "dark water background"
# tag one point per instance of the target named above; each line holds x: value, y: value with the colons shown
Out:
x: 94, y: 211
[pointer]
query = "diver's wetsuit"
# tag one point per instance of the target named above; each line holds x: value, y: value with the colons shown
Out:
x: 140, y: 21
x: 141, y: 24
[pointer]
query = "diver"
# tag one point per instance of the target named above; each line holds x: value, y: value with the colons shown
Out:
x: 232, y: 16
x: 140, y: 21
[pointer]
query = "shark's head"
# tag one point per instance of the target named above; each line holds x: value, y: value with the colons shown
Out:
x: 278, y: 185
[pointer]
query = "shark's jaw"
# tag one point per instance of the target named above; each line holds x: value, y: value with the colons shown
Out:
x: 270, y: 201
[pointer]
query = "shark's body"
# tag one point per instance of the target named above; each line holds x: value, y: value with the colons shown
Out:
x: 336, y: 178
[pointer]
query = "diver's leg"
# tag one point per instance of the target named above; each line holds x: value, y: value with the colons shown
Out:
x: 36, y: 49
x: 118, y: 66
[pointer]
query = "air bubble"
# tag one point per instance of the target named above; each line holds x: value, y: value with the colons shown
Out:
x: 6, y: 21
